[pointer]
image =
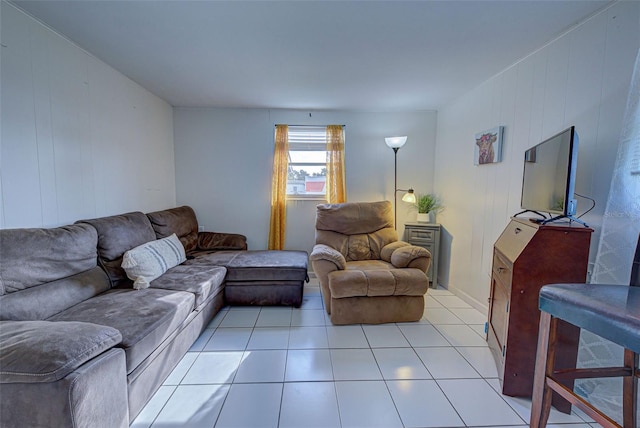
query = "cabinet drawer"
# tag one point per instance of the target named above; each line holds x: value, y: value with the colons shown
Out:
x: 426, y: 245
x: 422, y: 235
x: 422, y: 243
x: 501, y: 270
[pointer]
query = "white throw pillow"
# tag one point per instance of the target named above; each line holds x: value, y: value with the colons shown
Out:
x: 148, y: 261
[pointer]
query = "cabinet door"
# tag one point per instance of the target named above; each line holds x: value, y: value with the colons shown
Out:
x: 431, y: 249
x: 498, y: 320
x: 426, y: 236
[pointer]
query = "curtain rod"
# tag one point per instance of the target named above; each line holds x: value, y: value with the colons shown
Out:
x: 318, y: 126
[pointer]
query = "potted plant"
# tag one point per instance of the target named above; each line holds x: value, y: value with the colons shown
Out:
x: 426, y: 204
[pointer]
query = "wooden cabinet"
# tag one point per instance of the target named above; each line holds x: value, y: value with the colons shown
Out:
x: 426, y: 235
x: 527, y: 256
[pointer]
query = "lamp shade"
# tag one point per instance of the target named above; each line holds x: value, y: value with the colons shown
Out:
x: 395, y: 142
x: 409, y: 197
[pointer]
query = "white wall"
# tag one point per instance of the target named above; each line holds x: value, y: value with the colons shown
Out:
x: 224, y: 159
x: 79, y: 139
x: 582, y: 78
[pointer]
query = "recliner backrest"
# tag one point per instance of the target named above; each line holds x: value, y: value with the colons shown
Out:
x: 358, y: 230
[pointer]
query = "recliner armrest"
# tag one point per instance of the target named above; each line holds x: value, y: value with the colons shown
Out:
x: 221, y: 241
x: 324, y: 252
x: 411, y: 256
x: 387, y: 250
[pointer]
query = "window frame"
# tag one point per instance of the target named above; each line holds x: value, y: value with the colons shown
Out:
x: 297, y: 143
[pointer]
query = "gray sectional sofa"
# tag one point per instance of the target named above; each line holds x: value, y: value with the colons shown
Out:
x: 79, y: 347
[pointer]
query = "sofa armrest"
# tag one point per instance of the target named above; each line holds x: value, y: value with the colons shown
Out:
x: 62, y: 373
x: 411, y: 256
x: 94, y: 394
x: 46, y: 351
x: 324, y: 252
x: 221, y: 241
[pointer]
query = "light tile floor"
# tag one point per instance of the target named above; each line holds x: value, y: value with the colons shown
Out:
x: 284, y: 367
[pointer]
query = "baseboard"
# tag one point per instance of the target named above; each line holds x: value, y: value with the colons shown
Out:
x: 482, y: 307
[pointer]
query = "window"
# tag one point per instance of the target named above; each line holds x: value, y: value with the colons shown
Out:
x: 307, y: 173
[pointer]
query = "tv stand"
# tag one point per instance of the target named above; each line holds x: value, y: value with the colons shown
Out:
x: 568, y: 217
x: 527, y: 256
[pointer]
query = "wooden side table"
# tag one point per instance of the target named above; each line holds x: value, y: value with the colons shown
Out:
x: 426, y: 235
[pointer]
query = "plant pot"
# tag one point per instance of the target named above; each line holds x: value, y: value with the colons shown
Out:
x: 423, y: 218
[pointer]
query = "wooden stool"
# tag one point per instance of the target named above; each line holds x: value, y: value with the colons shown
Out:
x: 610, y: 311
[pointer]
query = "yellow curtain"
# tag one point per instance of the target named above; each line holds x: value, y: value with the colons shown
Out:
x: 279, y: 189
x: 336, y: 188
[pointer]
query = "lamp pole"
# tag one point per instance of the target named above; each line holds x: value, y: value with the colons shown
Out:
x: 395, y: 187
x: 395, y: 143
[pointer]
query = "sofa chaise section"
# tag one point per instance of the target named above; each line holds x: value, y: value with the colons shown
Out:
x: 266, y: 278
x: 253, y: 277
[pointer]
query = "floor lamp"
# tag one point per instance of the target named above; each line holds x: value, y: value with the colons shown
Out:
x: 395, y: 143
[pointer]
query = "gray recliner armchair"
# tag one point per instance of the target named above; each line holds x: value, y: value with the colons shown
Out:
x: 366, y: 274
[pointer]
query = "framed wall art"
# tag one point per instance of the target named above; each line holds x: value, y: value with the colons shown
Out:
x: 488, y: 147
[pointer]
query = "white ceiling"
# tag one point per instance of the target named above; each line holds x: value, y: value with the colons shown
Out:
x: 362, y: 55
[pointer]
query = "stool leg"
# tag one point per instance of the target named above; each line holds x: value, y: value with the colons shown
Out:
x: 545, y: 358
x: 630, y: 390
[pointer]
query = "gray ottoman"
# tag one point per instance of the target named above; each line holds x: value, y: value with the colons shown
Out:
x: 266, y: 278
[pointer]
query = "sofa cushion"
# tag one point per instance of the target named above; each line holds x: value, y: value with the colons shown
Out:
x: 368, y: 265
x: 148, y: 261
x: 258, y: 265
x: 218, y: 258
x: 116, y: 235
x: 267, y: 265
x: 31, y: 257
x: 378, y: 282
x: 181, y: 220
x: 216, y: 241
x: 145, y: 318
x: 43, y: 351
x: 46, y: 300
x: 203, y: 281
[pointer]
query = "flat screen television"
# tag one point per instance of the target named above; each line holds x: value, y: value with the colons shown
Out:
x: 548, y: 181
